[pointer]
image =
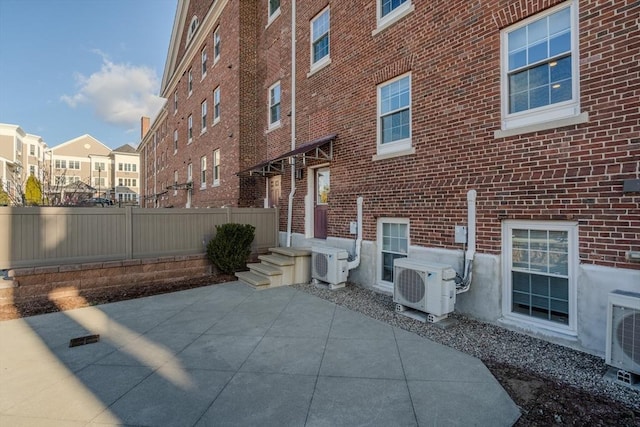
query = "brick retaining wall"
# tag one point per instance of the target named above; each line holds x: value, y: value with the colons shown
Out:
x: 53, y: 282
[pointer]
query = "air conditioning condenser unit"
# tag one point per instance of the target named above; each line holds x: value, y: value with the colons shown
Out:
x: 623, y: 335
x: 427, y: 287
x: 329, y: 265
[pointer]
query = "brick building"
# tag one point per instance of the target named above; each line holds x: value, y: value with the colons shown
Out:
x: 532, y: 104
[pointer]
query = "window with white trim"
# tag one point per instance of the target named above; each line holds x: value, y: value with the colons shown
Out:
x: 274, y: 9
x: 394, y: 115
x: 203, y: 172
x: 61, y: 164
x: 203, y: 62
x: 274, y: 105
x: 320, y: 26
x: 193, y: 26
x: 540, y: 280
x: 74, y: 164
x: 216, y: 45
x: 175, y: 141
x: 175, y: 183
x: 216, y: 167
x: 540, y: 63
x: 203, y: 114
x: 32, y: 150
x: 175, y: 102
x: 190, y: 82
x: 216, y: 105
x: 393, y: 243
x: 190, y: 128
x: 389, y: 11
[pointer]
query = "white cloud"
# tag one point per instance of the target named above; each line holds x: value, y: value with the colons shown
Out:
x: 119, y: 93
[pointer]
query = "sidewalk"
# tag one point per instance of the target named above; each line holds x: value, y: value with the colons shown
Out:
x: 229, y: 355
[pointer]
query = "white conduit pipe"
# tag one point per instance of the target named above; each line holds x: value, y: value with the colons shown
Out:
x: 356, y: 261
x: 471, y: 241
x: 293, y: 121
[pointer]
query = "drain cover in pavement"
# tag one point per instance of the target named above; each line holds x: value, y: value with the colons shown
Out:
x: 89, y: 339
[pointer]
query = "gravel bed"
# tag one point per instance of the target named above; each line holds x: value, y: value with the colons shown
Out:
x: 491, y: 343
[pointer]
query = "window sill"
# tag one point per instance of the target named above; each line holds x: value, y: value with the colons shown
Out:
x: 203, y: 77
x: 203, y: 131
x: 385, y: 23
x: 319, y: 66
x: 215, y: 184
x: 273, y: 17
x: 275, y: 126
x: 216, y: 121
x: 553, y: 124
x: 391, y: 155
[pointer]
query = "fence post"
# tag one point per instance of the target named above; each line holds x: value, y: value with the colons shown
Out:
x: 276, y: 226
x: 229, y: 215
x: 128, y: 231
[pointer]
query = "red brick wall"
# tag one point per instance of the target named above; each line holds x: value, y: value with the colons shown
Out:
x: 453, y: 52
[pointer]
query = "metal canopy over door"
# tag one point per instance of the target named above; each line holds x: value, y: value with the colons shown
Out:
x: 320, y: 214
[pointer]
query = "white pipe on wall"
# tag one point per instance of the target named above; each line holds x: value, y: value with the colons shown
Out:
x: 356, y: 261
x: 471, y: 242
x: 471, y: 224
x: 293, y: 120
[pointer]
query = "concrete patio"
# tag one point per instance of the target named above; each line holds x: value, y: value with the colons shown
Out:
x: 230, y: 355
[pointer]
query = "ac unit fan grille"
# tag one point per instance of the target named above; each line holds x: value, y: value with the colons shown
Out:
x: 627, y: 332
x: 410, y: 285
x: 321, y: 265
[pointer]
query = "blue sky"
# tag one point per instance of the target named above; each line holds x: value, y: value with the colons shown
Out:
x: 75, y: 67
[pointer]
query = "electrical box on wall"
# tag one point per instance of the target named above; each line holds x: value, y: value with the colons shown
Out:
x: 460, y: 234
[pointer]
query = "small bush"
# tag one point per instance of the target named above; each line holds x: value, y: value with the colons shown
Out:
x: 231, y: 246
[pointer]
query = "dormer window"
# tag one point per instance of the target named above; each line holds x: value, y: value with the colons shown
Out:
x: 192, y: 28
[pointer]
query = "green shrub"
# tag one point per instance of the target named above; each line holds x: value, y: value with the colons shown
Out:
x: 231, y: 246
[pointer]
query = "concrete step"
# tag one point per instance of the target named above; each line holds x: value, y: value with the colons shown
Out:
x: 265, y: 269
x: 253, y: 279
x: 291, y: 252
x: 279, y: 260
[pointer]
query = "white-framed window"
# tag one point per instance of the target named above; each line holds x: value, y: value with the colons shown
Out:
x: 32, y: 150
x: 74, y: 164
x: 190, y: 128
x: 61, y: 164
x: 175, y: 102
x: 203, y: 114
x: 320, y: 26
x: 203, y: 62
x: 390, y: 11
x: 216, y: 45
x: 190, y: 172
x: 540, y: 272
x: 193, y: 26
x: 32, y: 170
x: 190, y: 82
x: 274, y: 105
x: 175, y: 183
x: 134, y: 182
x: 216, y: 167
x: 274, y: 10
x: 216, y: 105
x: 203, y: 172
x: 540, y: 68
x: 394, y: 115
x: 393, y: 243
x: 98, y: 181
x: 175, y: 141
x: 99, y: 166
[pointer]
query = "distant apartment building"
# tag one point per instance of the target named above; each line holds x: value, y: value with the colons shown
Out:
x: 529, y: 107
x: 21, y: 155
x: 84, y: 167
